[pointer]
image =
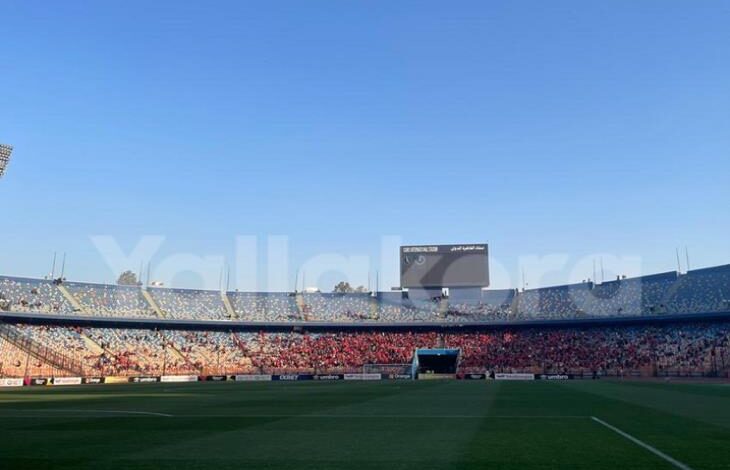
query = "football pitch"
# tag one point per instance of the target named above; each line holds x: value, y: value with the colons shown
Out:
x: 354, y: 425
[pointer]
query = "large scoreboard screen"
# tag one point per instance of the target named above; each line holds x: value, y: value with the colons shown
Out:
x: 444, y: 266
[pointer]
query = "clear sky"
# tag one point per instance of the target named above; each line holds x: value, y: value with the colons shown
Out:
x: 567, y: 128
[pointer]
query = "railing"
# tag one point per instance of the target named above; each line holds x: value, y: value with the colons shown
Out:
x: 38, y: 351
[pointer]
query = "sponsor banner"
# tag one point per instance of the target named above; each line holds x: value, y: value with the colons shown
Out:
x: 473, y: 377
x: 436, y: 376
x: 93, y: 380
x: 363, y: 377
x: 398, y: 376
x: 215, y: 378
x: 372, y: 377
x: 286, y: 377
x: 38, y: 381
x: 292, y: 377
x: 116, y: 380
x: 501, y: 376
x: 252, y: 378
x: 330, y: 377
x: 143, y: 379
x: 555, y: 377
x: 67, y: 381
x: 178, y: 378
x: 11, y: 382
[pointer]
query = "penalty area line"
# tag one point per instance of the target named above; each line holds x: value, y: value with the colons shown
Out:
x: 643, y: 444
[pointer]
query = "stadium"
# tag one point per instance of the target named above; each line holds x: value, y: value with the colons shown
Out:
x: 105, y: 359
x: 364, y: 235
x: 662, y: 325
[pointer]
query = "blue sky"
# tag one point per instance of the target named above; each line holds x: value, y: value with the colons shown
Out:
x: 572, y: 128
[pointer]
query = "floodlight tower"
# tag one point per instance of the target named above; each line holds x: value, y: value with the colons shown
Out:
x: 5, y: 151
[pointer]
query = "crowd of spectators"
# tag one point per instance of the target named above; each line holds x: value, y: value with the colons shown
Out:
x: 210, y: 352
x: 683, y: 348
x: 687, y: 347
x: 135, y: 352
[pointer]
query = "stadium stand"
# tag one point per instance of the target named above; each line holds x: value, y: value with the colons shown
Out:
x: 699, y: 291
x: 113, y: 301
x: 421, y: 309
x: 336, y: 307
x: 16, y: 362
x: 32, y: 295
x: 265, y: 307
x: 389, y: 308
x: 188, y: 303
x: 635, y: 296
x: 133, y: 352
x: 702, y: 290
x: 491, y: 305
x: 45, y: 347
x: 554, y: 302
x: 681, y: 349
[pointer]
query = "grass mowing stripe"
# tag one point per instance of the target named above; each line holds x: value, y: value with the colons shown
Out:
x: 423, y: 426
x: 675, y: 400
x: 643, y: 444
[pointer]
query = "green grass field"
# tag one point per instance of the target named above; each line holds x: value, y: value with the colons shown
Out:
x: 419, y: 425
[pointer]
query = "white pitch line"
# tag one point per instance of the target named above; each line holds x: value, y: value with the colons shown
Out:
x: 147, y: 413
x: 299, y: 416
x: 643, y: 444
x: 357, y: 416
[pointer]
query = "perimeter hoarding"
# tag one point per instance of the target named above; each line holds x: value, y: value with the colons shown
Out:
x: 11, y: 382
x: 429, y: 266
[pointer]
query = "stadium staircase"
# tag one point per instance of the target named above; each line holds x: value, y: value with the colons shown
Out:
x: 515, y: 305
x: 71, y: 299
x: 148, y: 297
x: 719, y: 361
x: 177, y: 353
x: 91, y: 345
x: 229, y: 307
x: 443, y: 307
x: 301, y: 306
x: 374, y: 312
x: 238, y: 342
x: 40, y: 352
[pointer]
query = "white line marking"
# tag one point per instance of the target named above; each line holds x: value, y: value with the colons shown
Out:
x: 356, y: 416
x: 643, y: 444
x: 296, y: 416
x: 148, y: 413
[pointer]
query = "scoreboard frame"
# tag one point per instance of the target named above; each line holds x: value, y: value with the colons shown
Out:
x: 438, y: 266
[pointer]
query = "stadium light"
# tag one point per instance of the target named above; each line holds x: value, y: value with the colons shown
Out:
x: 5, y: 151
